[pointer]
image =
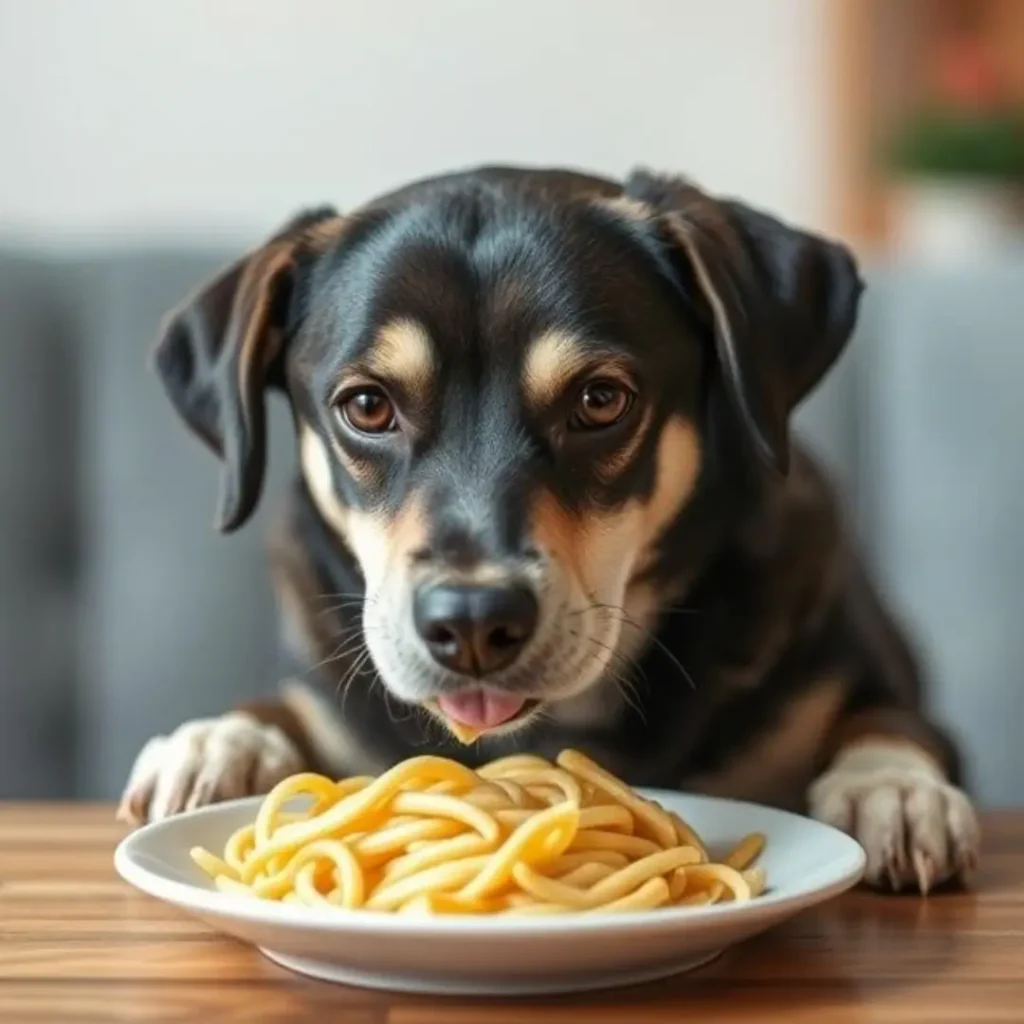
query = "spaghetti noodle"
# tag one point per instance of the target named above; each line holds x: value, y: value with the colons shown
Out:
x: 518, y: 836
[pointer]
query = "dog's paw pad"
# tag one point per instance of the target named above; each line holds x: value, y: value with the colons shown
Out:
x: 916, y: 829
x: 204, y: 762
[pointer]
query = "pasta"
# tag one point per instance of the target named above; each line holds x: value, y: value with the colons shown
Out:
x: 520, y: 836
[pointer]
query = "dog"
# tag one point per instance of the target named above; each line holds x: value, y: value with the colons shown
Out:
x: 548, y: 497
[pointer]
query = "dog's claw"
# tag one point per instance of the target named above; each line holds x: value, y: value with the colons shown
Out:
x: 916, y: 829
x: 925, y: 871
x: 126, y: 814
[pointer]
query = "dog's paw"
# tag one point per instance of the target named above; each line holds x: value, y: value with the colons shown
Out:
x: 916, y: 829
x: 205, y: 761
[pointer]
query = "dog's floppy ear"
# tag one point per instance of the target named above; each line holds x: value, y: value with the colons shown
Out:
x: 783, y: 302
x: 221, y: 347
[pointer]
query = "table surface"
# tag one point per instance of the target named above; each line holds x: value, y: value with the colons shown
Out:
x: 77, y: 944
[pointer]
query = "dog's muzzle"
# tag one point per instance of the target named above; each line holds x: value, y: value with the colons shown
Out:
x: 476, y: 631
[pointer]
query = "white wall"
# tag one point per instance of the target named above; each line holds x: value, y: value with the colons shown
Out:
x: 141, y: 117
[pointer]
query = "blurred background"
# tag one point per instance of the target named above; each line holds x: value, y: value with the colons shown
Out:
x: 143, y: 144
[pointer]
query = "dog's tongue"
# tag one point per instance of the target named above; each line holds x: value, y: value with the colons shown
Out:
x: 480, y: 709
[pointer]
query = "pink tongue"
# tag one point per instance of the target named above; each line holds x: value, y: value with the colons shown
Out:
x: 480, y: 709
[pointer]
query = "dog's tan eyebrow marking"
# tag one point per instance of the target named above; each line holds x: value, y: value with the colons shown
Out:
x: 403, y: 352
x: 679, y: 460
x: 552, y: 360
x: 377, y: 541
x: 316, y: 468
x: 361, y: 471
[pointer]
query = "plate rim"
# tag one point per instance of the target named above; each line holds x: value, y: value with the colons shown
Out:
x: 268, y: 912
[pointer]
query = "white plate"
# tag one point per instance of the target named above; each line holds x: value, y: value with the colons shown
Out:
x: 806, y: 862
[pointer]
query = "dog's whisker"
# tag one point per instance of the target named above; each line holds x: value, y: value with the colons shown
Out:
x: 629, y: 664
x: 335, y: 608
x: 342, y: 595
x: 629, y: 695
x: 356, y: 652
x: 626, y: 686
x: 348, y: 631
x: 348, y: 646
x: 389, y: 708
x: 353, y: 673
x: 670, y: 610
x: 628, y: 620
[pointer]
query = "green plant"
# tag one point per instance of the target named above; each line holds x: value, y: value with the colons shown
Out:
x: 959, y: 145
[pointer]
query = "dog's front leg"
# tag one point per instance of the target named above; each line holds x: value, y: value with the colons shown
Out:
x: 889, y: 787
x: 243, y: 753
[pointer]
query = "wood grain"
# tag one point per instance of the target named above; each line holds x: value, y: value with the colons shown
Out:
x: 78, y: 945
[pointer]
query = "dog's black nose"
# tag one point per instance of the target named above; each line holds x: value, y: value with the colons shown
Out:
x: 475, y: 630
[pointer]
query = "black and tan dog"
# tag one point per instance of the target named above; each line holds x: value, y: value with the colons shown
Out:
x: 548, y: 497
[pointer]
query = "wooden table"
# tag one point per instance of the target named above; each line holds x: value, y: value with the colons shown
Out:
x: 76, y: 944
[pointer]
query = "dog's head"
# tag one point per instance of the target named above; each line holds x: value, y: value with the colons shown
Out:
x: 520, y: 397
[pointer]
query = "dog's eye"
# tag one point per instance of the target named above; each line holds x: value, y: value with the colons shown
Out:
x: 601, y: 403
x: 368, y: 410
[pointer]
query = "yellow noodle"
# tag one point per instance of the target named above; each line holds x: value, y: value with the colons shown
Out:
x: 609, y: 890
x: 519, y: 836
x: 757, y: 879
x: 549, y: 784
x: 632, y: 846
x: 347, y: 867
x: 239, y: 846
x: 515, y: 899
x: 305, y: 886
x: 603, y: 816
x: 586, y: 875
x: 677, y: 884
x: 747, y: 850
x: 306, y: 782
x: 225, y: 884
x: 685, y: 836
x: 490, y: 797
x: 396, y: 839
x: 447, y: 807
x: 436, y: 853
x: 516, y: 794
x: 213, y: 865
x: 513, y: 817
x: 653, y: 893
x: 446, y: 903
x: 571, y: 861
x: 503, y: 767
x: 653, y: 817
x: 701, y: 897
x: 451, y: 875
x: 544, y: 837
x: 730, y: 878
x: 352, y: 810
